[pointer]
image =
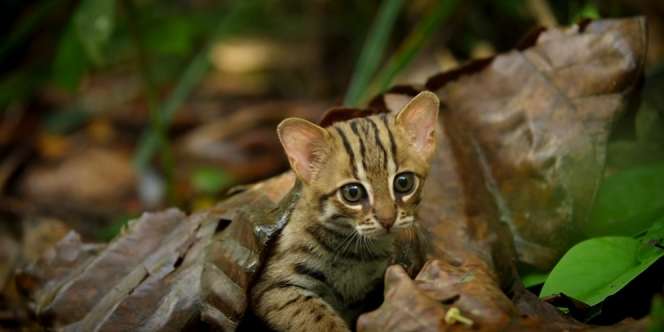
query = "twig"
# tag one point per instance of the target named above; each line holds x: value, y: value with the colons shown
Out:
x: 453, y: 316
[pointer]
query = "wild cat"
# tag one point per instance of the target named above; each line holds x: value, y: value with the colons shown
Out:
x: 360, y: 183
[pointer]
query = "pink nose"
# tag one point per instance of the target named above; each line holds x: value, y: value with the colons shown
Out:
x: 386, y: 222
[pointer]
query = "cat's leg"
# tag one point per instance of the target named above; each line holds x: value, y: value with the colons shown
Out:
x: 292, y: 308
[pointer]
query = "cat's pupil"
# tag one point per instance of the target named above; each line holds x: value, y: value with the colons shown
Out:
x: 404, y: 182
x: 352, y: 192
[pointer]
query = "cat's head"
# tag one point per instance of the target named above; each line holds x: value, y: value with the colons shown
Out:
x: 365, y: 174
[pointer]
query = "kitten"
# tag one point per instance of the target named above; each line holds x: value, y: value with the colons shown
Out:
x: 360, y: 183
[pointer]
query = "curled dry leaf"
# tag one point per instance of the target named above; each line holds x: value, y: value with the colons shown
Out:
x: 165, y: 272
x: 233, y: 255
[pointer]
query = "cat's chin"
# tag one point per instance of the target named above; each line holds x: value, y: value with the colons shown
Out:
x: 380, y: 234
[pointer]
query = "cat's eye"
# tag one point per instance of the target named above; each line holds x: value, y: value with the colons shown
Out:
x: 404, y: 182
x: 353, y: 193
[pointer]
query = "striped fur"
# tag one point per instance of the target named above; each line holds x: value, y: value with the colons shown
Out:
x: 332, y: 253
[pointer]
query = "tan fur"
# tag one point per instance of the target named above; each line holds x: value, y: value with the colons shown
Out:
x: 332, y: 253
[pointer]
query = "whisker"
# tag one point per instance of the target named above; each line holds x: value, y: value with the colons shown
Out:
x: 341, y: 247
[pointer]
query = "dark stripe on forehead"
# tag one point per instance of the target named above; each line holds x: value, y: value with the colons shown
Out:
x: 378, y: 142
x: 353, y: 126
x: 351, y: 155
x: 393, y: 145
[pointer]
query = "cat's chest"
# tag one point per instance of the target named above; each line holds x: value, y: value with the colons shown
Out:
x: 355, y: 279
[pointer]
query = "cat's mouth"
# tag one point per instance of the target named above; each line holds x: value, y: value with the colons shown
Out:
x: 376, y: 232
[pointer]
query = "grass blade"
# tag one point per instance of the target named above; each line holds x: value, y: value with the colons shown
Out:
x: 154, y: 138
x: 372, y: 51
x: 412, y: 44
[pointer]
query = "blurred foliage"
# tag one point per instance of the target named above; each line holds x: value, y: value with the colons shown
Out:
x: 533, y: 279
x: 411, y: 45
x: 96, y: 34
x: 114, y: 228
x: 373, y: 50
x: 210, y: 180
x: 94, y: 21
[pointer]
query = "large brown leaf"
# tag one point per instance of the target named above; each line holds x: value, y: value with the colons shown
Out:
x: 166, y: 271
x: 539, y: 120
x: 535, y: 123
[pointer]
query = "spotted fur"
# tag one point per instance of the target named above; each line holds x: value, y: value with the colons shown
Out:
x: 333, y: 252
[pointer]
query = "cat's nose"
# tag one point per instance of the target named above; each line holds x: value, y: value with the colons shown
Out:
x: 385, y: 213
x: 386, y: 222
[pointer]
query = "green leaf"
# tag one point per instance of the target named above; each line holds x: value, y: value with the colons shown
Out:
x: 180, y: 37
x: 627, y: 202
x: 372, y: 51
x: 210, y: 180
x: 534, y: 279
x: 597, y: 268
x: 94, y: 22
x: 70, y: 62
x: 116, y: 225
x: 588, y: 11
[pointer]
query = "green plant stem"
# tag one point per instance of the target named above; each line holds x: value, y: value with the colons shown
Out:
x: 372, y: 51
x: 154, y: 137
x: 149, y: 88
x: 152, y: 99
x: 412, y: 45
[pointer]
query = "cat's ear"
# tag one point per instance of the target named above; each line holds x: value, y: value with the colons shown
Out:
x: 306, y: 145
x: 418, y: 120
